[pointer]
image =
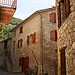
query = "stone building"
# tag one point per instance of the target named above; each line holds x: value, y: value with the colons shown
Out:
x: 34, y: 44
x: 65, y: 20
x: 5, y: 54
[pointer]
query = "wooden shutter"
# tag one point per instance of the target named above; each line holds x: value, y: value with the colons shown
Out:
x: 53, y: 35
x: 21, y: 61
x: 67, y: 7
x: 59, y: 16
x: 21, y: 42
x: 63, y: 62
x: 18, y: 43
x: 21, y: 29
x: 33, y: 38
x: 26, y: 60
x: 27, y: 40
x: 53, y: 17
x: 61, y: 1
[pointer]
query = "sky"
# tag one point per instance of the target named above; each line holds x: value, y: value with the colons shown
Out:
x: 26, y: 7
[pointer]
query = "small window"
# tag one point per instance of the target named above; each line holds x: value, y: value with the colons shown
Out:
x: 33, y: 38
x: 5, y: 44
x: 21, y: 29
x: 62, y: 1
x: 67, y: 7
x: 53, y: 35
x: 20, y: 43
x: 53, y: 17
x: 27, y: 40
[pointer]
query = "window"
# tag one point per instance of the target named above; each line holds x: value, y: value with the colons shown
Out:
x: 5, y: 44
x: 20, y: 43
x: 53, y: 17
x: 53, y: 35
x: 21, y: 29
x: 27, y: 40
x: 63, y: 61
x: 24, y: 63
x: 31, y: 39
x: 60, y: 0
x: 67, y: 7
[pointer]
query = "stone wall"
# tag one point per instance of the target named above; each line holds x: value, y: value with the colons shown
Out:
x: 5, y: 55
x: 2, y: 55
x: 49, y: 47
x: 31, y: 50
x: 30, y: 26
x: 66, y: 38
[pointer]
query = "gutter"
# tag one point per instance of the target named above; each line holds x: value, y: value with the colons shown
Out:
x: 41, y: 46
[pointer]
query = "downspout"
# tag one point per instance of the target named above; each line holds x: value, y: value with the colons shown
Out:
x: 41, y: 46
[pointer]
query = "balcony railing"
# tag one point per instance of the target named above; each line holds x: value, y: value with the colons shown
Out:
x: 9, y: 3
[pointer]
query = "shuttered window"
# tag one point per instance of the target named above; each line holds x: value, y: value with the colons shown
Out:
x: 53, y: 35
x: 63, y: 61
x: 67, y: 7
x: 61, y: 1
x: 33, y: 38
x: 21, y: 42
x: 53, y: 17
x: 26, y: 60
x: 59, y: 16
x: 21, y: 29
x: 21, y: 61
x: 18, y: 43
x: 27, y: 40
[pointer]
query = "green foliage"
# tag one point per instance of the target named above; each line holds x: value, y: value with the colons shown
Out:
x: 6, y: 32
x: 5, y: 29
x: 15, y: 21
x: 2, y: 26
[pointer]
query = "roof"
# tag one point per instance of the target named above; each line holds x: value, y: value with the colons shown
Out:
x: 39, y: 11
x: 5, y: 39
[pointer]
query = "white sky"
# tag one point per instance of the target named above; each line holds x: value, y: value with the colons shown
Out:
x: 27, y: 7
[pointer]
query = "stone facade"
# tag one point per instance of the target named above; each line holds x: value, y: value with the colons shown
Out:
x: 43, y: 52
x: 66, y: 38
x: 5, y: 54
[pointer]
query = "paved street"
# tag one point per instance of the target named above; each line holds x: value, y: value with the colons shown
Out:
x: 6, y: 73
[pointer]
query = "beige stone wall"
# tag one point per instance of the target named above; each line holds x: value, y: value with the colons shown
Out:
x: 66, y: 37
x: 33, y: 25
x: 5, y: 55
x: 49, y: 47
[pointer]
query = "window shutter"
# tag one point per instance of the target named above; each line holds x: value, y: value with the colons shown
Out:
x: 21, y: 42
x: 33, y: 38
x: 67, y: 7
x: 59, y: 16
x: 63, y: 61
x: 21, y: 29
x: 26, y: 60
x: 18, y: 43
x: 53, y: 17
x: 20, y: 61
x: 61, y: 1
x: 27, y: 40
x: 54, y: 35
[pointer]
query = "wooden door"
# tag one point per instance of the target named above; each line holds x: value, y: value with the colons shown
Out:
x: 63, y: 63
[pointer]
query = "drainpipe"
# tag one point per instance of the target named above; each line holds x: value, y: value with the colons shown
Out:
x: 41, y: 46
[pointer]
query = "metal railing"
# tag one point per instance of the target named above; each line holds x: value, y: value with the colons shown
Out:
x: 9, y: 3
